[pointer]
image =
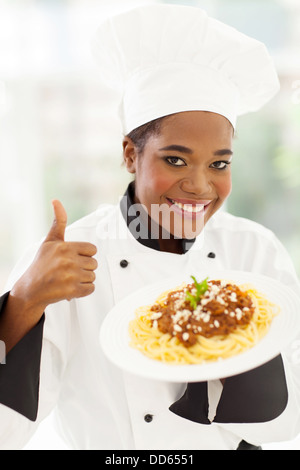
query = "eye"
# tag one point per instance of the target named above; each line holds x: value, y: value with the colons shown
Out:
x: 220, y: 165
x: 175, y: 161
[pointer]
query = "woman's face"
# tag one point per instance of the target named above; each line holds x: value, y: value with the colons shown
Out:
x: 183, y: 175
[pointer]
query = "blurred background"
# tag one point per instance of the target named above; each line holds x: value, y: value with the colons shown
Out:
x: 60, y: 136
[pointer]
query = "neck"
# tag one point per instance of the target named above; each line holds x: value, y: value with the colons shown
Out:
x: 171, y: 245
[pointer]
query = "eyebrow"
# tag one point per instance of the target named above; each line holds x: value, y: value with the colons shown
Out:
x: 178, y: 148
x: 182, y: 149
x: 222, y: 152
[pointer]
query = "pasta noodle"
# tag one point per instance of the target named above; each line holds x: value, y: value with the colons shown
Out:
x: 208, y: 345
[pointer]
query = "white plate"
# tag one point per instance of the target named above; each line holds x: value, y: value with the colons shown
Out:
x: 114, y: 336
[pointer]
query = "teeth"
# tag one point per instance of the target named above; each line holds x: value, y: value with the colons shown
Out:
x: 189, y: 207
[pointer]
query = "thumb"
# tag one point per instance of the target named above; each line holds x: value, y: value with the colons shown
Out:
x: 57, y: 231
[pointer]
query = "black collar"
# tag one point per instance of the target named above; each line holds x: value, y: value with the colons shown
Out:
x: 138, y: 226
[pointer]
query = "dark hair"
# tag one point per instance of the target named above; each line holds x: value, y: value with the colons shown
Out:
x: 140, y: 135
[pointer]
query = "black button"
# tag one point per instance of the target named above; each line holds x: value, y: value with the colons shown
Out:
x: 148, y: 418
x: 124, y: 263
x: 211, y: 255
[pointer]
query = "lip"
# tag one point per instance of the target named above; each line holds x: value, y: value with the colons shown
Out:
x: 193, y: 202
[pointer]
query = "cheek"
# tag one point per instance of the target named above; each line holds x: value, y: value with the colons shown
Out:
x: 157, y: 182
x: 152, y: 183
x: 162, y: 184
x: 224, y: 186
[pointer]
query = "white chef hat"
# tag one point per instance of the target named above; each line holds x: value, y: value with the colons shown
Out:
x: 166, y: 59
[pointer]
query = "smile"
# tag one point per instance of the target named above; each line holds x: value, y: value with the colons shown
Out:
x: 189, y: 207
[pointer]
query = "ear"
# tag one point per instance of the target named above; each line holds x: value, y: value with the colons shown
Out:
x: 129, y: 154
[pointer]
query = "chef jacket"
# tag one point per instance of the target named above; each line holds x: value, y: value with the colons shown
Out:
x: 60, y: 365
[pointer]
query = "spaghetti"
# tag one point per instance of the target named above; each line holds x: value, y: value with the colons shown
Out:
x: 193, y: 325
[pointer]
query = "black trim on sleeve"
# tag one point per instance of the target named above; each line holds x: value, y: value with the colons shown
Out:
x: 193, y: 405
x: 20, y: 375
x: 257, y: 396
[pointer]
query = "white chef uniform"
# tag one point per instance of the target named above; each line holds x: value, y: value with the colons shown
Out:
x: 99, y: 406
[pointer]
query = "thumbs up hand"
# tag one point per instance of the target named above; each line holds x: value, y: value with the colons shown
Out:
x: 60, y: 271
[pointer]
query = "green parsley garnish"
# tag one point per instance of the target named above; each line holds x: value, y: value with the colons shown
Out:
x: 201, y: 288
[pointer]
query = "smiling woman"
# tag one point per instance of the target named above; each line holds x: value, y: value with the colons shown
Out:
x: 183, y: 78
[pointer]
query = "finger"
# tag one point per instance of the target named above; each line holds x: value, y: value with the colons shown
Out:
x: 84, y: 248
x: 57, y: 231
x: 88, y: 263
x: 87, y: 277
x: 85, y: 289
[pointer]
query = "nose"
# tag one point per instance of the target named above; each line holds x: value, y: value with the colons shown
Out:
x: 197, y: 182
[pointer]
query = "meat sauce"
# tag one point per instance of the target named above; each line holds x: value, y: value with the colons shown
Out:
x: 222, y: 309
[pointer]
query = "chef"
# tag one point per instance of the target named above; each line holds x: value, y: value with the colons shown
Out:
x: 183, y: 79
